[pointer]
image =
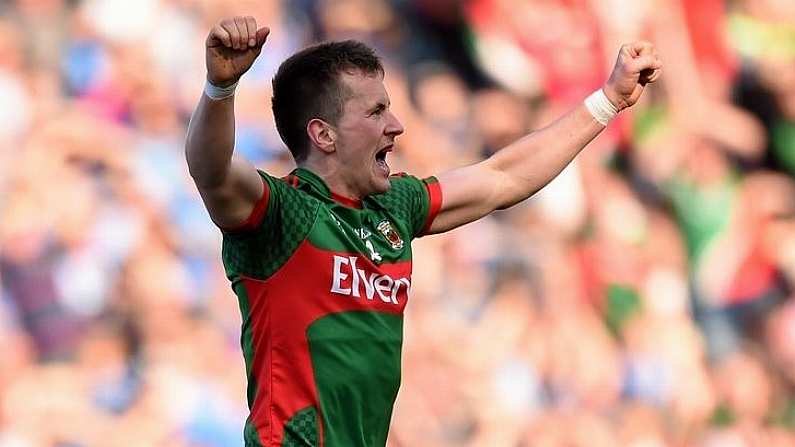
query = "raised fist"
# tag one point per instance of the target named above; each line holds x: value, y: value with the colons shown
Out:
x: 232, y: 46
x: 637, y: 65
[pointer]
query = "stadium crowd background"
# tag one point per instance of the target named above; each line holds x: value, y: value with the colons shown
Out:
x: 644, y: 298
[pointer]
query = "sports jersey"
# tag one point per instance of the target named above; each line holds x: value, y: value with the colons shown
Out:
x: 322, y: 283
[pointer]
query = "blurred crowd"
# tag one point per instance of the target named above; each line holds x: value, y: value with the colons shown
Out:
x: 644, y: 298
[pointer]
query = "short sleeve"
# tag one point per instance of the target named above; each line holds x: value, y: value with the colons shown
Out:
x: 263, y: 210
x: 271, y: 234
x: 255, y: 219
x: 415, y: 201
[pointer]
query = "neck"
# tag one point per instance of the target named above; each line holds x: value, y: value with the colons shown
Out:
x: 334, y: 179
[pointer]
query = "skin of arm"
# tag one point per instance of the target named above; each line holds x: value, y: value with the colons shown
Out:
x: 522, y: 168
x: 229, y: 186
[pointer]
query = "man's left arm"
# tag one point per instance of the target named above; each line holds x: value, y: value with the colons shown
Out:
x: 519, y: 170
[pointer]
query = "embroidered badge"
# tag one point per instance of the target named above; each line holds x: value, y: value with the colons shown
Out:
x: 392, y: 236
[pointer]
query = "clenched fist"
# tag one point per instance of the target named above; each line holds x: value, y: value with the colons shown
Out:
x: 232, y: 46
x: 637, y: 65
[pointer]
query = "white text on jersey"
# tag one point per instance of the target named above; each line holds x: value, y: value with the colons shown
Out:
x: 348, y: 280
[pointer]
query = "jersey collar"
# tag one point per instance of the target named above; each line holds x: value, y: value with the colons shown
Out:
x: 318, y: 186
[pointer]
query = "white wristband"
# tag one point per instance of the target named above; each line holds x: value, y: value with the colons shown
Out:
x: 214, y: 92
x: 600, y: 107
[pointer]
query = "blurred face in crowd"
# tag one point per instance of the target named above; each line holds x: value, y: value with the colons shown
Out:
x: 365, y: 134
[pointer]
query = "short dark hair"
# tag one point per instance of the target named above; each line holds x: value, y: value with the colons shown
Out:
x: 308, y: 86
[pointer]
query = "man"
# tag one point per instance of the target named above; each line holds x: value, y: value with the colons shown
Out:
x: 321, y: 259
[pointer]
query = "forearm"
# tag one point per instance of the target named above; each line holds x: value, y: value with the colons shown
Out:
x: 532, y: 162
x: 522, y: 168
x: 211, y: 140
x: 528, y: 164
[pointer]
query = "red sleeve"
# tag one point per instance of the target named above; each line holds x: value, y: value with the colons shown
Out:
x: 257, y: 214
x: 435, y: 203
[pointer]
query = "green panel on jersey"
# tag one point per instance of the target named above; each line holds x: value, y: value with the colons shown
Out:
x: 356, y: 362
x: 408, y: 200
x: 350, y: 230
x: 262, y: 251
x: 301, y: 429
x: 392, y: 220
x: 385, y: 227
x: 250, y: 436
x: 246, y: 338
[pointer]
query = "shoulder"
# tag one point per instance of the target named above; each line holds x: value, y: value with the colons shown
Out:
x: 286, y: 188
x: 403, y: 183
x: 402, y: 188
x: 283, y: 202
x: 408, y: 196
x: 405, y: 187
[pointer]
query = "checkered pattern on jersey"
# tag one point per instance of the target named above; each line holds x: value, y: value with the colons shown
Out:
x: 260, y: 252
x: 301, y: 429
x: 407, y: 200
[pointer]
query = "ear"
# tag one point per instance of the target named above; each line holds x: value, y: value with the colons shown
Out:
x: 322, y: 135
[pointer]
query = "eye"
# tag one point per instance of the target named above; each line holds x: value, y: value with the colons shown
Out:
x: 378, y: 110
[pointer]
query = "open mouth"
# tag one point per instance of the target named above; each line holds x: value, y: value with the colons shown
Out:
x: 380, y: 158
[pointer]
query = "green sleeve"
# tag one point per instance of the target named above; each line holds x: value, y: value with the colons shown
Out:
x: 271, y: 235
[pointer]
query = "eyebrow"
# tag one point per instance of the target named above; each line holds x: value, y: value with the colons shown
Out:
x: 380, y: 104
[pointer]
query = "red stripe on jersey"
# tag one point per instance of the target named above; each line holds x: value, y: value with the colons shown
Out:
x: 281, y: 312
x: 347, y: 201
x: 257, y: 214
x: 261, y: 368
x: 291, y: 180
x: 435, y: 197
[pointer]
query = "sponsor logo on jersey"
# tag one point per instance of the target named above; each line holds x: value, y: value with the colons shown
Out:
x: 392, y: 236
x: 347, y: 279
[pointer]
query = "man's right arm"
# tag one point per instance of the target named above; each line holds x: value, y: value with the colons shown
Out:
x: 229, y: 186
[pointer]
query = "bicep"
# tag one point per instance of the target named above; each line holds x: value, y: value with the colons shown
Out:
x: 232, y: 201
x: 469, y: 193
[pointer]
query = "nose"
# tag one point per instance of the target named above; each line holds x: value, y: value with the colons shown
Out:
x: 393, y: 126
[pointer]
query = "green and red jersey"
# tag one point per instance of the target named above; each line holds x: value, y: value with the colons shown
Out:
x: 322, y: 283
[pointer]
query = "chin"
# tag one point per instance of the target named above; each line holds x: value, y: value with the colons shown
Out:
x: 381, y: 185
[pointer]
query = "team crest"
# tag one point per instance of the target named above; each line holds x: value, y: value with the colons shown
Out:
x: 392, y: 236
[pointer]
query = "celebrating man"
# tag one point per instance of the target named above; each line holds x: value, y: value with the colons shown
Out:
x: 321, y: 259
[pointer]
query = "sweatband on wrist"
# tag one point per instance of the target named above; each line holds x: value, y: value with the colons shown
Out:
x: 600, y: 107
x: 214, y: 92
